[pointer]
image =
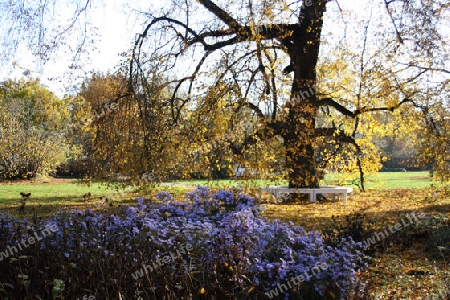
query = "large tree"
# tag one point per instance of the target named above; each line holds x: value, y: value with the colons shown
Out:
x: 264, y: 56
x: 265, y: 53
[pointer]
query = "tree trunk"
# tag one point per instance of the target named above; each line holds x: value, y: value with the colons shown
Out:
x: 301, y: 132
x: 299, y: 143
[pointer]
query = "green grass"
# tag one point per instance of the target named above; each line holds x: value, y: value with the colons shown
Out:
x: 50, y: 197
x: 400, y: 180
x: 382, y: 180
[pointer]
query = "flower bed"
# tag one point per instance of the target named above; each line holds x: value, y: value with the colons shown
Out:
x: 212, y: 244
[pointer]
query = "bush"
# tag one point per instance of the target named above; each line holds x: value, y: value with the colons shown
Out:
x: 31, y: 121
x: 393, y: 170
x: 438, y: 233
x: 78, y: 168
x: 355, y: 225
x: 214, y: 244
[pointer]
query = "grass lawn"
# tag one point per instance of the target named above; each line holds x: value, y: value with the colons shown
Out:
x: 49, y: 196
x: 399, y: 180
x: 382, y: 180
x: 54, y: 194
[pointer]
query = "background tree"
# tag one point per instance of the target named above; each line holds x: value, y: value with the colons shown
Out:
x: 31, y: 122
x: 433, y: 139
x: 78, y: 139
x: 265, y: 54
x: 129, y: 134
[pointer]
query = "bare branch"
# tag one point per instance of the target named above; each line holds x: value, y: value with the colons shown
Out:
x: 425, y: 68
x: 399, y: 37
x: 221, y: 14
x: 340, y: 108
x: 346, y: 112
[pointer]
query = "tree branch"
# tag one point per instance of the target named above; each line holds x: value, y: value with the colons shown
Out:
x: 221, y: 14
x: 426, y: 68
x: 253, y: 107
x: 340, y: 108
x: 346, y: 112
x: 399, y: 37
x: 263, y: 133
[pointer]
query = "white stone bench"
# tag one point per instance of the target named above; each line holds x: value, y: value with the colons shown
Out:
x: 239, y: 172
x: 277, y: 191
x: 334, y: 190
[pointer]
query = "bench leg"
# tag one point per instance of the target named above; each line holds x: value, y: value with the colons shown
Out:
x: 277, y: 198
x: 312, y: 197
x: 344, y: 196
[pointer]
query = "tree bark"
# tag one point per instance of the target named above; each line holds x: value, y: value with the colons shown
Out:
x: 301, y: 130
x: 299, y: 144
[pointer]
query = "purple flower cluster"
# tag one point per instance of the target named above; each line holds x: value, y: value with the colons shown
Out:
x: 232, y: 244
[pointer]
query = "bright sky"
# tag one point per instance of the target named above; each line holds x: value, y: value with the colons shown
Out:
x: 114, y: 29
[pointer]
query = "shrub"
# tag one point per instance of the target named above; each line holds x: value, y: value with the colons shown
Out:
x: 355, y: 225
x: 31, y: 121
x: 393, y: 170
x: 438, y: 233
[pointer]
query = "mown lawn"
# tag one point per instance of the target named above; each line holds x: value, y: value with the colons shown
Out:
x: 382, y: 180
x: 399, y: 180
x: 53, y: 194
x: 49, y: 196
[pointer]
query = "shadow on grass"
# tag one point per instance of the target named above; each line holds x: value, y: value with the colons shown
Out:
x: 44, y: 207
